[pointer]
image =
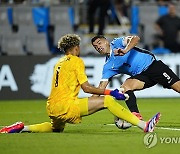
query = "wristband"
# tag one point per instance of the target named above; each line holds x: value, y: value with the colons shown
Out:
x: 107, y: 92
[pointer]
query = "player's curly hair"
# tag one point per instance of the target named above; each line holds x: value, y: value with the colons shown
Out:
x: 68, y: 41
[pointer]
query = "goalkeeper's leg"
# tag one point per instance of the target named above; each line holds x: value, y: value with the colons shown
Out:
x: 45, y: 127
x: 95, y: 104
x: 38, y: 128
x: 119, y: 111
x: 19, y: 127
x: 125, y: 114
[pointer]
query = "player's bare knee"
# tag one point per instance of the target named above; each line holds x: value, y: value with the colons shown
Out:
x: 132, y: 84
x: 176, y: 86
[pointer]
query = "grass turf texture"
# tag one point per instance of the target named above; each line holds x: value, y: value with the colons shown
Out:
x: 92, y: 135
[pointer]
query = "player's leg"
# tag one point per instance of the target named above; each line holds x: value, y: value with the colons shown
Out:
x: 38, y: 128
x: 176, y: 86
x: 129, y: 85
x: 119, y: 110
x: 137, y: 82
x: 132, y: 84
x: 59, y: 119
x: 19, y: 127
x: 94, y: 104
x: 90, y: 105
x: 131, y: 102
x: 54, y: 126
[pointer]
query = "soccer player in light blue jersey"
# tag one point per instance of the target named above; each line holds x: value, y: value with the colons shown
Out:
x: 124, y: 57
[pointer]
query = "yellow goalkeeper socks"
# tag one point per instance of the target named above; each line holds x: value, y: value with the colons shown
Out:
x: 38, y: 128
x: 115, y: 108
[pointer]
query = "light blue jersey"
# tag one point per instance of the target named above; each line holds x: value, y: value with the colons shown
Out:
x: 132, y: 63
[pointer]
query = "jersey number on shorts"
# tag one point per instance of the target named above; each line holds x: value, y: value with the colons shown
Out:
x: 167, y: 77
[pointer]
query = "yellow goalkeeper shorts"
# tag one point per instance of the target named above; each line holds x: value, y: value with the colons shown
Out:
x: 67, y: 112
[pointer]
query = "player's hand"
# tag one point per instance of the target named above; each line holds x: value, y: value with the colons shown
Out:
x: 119, y: 96
x: 119, y: 52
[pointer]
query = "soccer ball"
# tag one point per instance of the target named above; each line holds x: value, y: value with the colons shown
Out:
x: 121, y: 124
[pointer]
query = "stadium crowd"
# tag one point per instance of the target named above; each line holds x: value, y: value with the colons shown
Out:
x: 22, y: 26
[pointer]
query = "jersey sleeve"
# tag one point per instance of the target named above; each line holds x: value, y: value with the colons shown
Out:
x: 119, y: 42
x: 80, y: 70
x: 107, y: 74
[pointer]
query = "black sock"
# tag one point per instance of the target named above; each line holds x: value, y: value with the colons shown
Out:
x: 131, y: 102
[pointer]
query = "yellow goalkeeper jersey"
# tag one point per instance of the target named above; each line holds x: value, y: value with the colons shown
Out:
x: 69, y: 74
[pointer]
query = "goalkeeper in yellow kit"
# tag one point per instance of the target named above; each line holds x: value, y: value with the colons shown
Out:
x: 63, y: 104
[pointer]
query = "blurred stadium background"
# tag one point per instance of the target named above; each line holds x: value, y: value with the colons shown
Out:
x: 30, y: 29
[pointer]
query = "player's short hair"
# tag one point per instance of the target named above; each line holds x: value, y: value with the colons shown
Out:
x: 171, y: 3
x: 96, y: 37
x: 68, y: 41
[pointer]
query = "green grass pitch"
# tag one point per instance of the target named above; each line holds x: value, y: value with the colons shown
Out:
x: 94, y: 135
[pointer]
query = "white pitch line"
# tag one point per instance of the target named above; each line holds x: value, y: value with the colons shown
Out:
x: 163, y: 128
x: 166, y: 128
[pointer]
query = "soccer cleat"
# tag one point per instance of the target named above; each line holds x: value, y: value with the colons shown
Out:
x: 150, y: 125
x: 14, y: 128
x: 138, y: 115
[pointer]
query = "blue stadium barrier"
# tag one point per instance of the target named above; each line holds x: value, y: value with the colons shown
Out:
x: 71, y: 16
x: 41, y: 18
x: 162, y: 10
x: 10, y: 15
x: 134, y: 19
x: 113, y: 12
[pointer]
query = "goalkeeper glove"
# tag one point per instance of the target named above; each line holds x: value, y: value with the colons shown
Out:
x: 115, y: 93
